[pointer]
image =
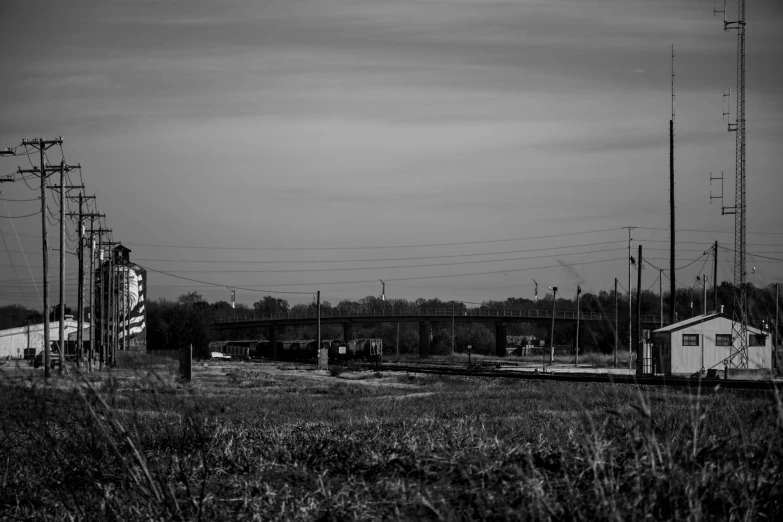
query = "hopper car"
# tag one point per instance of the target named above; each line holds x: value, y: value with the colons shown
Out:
x: 306, y: 350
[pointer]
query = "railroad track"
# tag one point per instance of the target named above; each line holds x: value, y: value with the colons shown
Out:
x: 585, y: 377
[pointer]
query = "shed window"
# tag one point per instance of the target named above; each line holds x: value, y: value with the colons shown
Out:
x: 757, y: 340
x: 723, y: 340
x: 690, y: 339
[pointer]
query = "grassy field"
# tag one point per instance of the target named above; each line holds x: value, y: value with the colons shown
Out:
x: 290, y: 443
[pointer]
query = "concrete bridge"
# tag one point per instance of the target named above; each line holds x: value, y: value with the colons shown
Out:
x: 424, y: 316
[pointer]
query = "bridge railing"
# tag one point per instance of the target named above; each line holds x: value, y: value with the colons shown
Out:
x: 427, y: 312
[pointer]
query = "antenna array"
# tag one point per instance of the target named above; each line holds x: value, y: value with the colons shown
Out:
x: 739, y: 354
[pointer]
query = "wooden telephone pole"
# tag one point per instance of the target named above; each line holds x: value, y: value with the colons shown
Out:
x: 80, y: 300
x: 43, y: 171
x: 102, y: 304
x: 61, y: 320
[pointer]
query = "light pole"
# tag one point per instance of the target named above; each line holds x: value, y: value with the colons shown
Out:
x: 552, y: 339
x: 383, y: 296
x: 536, y: 283
x: 703, y: 279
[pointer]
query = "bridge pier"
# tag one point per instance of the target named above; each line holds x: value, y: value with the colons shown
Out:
x: 347, y: 332
x: 273, y: 341
x: 425, y: 328
x: 500, y: 339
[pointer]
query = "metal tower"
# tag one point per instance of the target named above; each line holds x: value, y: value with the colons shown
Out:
x: 739, y: 352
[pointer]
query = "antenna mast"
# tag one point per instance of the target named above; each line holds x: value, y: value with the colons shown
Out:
x: 672, y: 287
x: 739, y: 353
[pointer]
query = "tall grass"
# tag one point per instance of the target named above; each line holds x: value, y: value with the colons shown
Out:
x: 286, y: 446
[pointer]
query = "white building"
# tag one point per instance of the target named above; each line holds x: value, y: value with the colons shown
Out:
x: 703, y: 343
x: 14, y: 341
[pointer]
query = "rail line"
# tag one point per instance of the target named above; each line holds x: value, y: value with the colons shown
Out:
x: 583, y: 377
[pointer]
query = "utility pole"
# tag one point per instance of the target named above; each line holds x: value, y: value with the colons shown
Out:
x: 80, y: 295
x: 126, y: 315
x: 452, y: 328
x: 104, y: 302
x: 110, y: 313
x: 102, y: 336
x: 777, y: 328
x: 576, y: 351
x: 672, y: 289
x: 552, y: 340
x: 383, y: 296
x: 616, y: 326
x: 101, y: 306
x: 398, y: 341
x: 660, y: 293
x: 110, y: 308
x: 42, y: 145
x: 63, y: 343
x: 318, y: 321
x: 91, y: 353
x: 639, y: 339
x: 705, y: 294
x: 630, y: 294
x: 715, y: 278
x: 113, y: 292
x: 92, y: 217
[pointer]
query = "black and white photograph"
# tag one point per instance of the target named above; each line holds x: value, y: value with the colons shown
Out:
x: 453, y: 260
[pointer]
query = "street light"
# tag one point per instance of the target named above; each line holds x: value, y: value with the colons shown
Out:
x: 536, y: 282
x: 552, y: 339
x: 703, y: 279
x: 383, y: 296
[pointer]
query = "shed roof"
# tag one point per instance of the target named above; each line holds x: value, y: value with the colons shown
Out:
x: 701, y: 319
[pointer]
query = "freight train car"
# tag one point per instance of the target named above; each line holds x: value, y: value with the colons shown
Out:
x: 357, y: 349
x: 306, y: 350
x: 236, y: 349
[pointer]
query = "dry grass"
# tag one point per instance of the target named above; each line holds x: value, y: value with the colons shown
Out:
x: 246, y: 441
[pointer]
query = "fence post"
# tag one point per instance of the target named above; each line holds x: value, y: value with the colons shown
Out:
x: 186, y: 363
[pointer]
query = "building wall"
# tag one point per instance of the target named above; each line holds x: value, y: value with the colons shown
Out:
x: 14, y: 340
x: 690, y: 359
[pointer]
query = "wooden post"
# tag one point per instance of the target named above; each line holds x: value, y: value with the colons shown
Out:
x: 616, y: 333
x: 318, y: 313
x: 660, y: 293
x: 80, y: 295
x: 552, y: 340
x: 110, y: 313
x: 715, y: 278
x: 576, y: 349
x: 61, y: 329
x: 92, y: 297
x: 639, y: 340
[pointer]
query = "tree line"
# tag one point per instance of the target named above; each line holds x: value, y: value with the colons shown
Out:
x: 174, y: 324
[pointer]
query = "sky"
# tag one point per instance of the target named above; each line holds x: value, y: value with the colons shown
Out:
x: 305, y: 145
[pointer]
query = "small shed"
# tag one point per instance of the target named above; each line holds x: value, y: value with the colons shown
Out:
x: 704, y: 342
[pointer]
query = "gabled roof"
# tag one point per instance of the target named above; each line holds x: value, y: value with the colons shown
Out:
x: 701, y: 319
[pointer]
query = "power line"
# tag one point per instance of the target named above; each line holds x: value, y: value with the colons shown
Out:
x: 222, y: 286
x: 20, y: 200
x: 712, y: 231
x: 399, y: 278
x: 752, y: 254
x: 378, y: 259
x: 391, y: 267
x: 376, y: 246
x: 20, y: 217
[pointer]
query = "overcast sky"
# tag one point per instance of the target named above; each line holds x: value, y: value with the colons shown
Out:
x: 314, y: 124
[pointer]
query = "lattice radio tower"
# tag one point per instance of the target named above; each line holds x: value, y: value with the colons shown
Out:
x: 739, y: 352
